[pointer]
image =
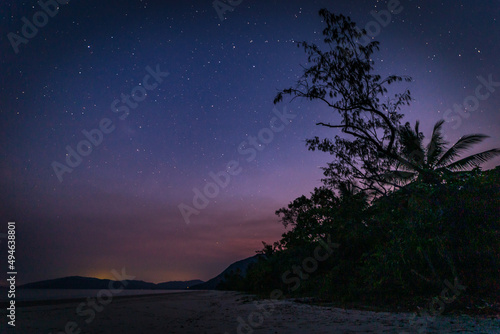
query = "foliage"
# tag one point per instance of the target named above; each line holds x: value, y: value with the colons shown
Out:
x: 404, y: 245
x: 437, y: 224
x: 343, y: 78
x: 434, y: 159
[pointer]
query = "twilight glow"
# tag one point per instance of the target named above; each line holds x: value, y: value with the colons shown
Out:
x: 120, y: 123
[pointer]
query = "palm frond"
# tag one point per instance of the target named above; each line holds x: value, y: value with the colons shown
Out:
x: 437, y: 144
x: 398, y: 175
x: 411, y: 143
x: 463, y: 144
x: 473, y: 160
x: 346, y: 189
x: 417, y: 127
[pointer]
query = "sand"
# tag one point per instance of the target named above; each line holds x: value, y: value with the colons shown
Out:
x: 227, y: 312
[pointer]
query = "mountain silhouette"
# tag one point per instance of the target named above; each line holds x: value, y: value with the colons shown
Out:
x: 79, y: 282
x: 239, y: 266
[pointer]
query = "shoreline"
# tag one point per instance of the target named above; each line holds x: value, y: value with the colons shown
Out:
x: 393, y: 308
x: 310, y: 301
x: 30, y: 303
x: 208, y: 311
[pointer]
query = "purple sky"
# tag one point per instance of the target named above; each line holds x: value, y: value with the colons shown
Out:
x: 119, y: 206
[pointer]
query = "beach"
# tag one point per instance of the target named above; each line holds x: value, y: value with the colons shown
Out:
x: 225, y: 312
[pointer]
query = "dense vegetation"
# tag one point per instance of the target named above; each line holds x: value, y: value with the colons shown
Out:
x: 396, y: 222
x: 401, y: 250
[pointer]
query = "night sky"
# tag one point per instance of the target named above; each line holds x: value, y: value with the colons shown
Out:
x: 207, y: 108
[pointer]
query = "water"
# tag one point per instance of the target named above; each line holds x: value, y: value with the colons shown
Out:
x: 54, y: 294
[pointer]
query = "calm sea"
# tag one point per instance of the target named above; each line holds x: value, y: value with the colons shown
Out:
x: 52, y: 294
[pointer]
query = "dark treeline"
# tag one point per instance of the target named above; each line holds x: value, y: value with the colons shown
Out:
x: 420, y: 242
x: 411, y: 222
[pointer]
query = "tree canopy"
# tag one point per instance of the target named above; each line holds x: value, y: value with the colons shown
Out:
x: 372, y: 143
x: 434, y: 159
x: 343, y: 77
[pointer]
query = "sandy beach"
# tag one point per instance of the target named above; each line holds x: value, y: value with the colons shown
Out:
x: 227, y: 312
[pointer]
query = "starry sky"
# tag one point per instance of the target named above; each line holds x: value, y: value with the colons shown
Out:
x: 173, y: 97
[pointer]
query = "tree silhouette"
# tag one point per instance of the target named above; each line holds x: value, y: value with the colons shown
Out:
x: 428, y: 163
x: 342, y: 77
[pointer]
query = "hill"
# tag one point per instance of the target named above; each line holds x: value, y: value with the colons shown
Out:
x: 79, y: 282
x: 239, y: 266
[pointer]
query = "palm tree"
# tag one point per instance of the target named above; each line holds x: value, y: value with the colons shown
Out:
x: 429, y: 163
